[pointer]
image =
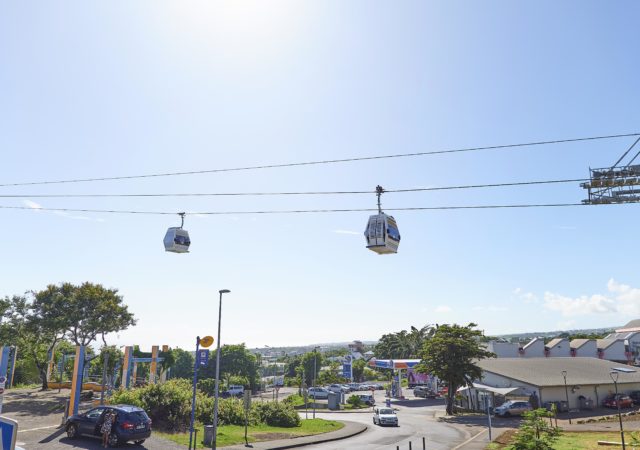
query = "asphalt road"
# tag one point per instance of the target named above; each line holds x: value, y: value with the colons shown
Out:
x: 417, y: 418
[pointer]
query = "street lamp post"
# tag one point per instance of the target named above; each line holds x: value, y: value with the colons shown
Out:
x: 217, y: 385
x: 566, y: 393
x: 315, y: 371
x: 614, y: 376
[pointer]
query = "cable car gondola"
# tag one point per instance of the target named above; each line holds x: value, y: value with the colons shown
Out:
x: 177, y: 238
x: 382, y: 232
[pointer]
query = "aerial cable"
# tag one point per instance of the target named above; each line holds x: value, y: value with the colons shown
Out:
x: 300, y: 211
x: 231, y: 194
x: 319, y: 162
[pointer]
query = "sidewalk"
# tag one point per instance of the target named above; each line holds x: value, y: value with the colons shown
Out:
x: 350, y: 429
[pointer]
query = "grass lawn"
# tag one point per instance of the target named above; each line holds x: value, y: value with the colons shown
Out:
x: 581, y: 441
x: 234, y: 434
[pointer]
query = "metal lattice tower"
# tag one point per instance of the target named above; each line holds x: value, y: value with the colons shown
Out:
x: 614, y: 184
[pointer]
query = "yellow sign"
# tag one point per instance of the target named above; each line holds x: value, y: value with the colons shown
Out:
x: 206, y: 341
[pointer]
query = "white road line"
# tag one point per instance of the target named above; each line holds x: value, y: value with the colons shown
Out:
x: 40, y: 428
x: 468, y: 440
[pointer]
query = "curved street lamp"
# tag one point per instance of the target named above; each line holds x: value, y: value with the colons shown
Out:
x: 566, y: 394
x: 215, y: 402
x: 614, y: 376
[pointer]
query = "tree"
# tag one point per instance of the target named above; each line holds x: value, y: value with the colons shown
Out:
x: 36, y: 334
x: 235, y: 360
x: 403, y: 344
x: 184, y: 362
x: 450, y: 354
x: 84, y: 312
x: 535, y: 433
x: 311, y: 369
x: 358, y: 369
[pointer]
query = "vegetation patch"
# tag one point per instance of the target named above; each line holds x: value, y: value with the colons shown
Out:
x: 234, y: 434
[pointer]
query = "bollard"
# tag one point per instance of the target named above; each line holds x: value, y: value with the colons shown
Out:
x: 409, y: 445
x: 424, y: 443
x: 397, y: 447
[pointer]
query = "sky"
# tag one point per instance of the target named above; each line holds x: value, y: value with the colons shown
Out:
x: 100, y: 89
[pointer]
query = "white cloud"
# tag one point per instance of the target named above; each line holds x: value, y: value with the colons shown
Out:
x: 526, y: 297
x: 347, y: 232
x: 37, y: 206
x: 443, y: 309
x: 490, y: 308
x: 566, y: 324
x: 32, y: 205
x: 622, y: 299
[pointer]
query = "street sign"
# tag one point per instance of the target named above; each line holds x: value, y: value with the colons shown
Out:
x: 8, y: 433
x: 203, y: 357
x: 206, y: 341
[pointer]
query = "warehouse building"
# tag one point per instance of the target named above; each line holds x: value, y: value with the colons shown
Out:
x: 588, y: 381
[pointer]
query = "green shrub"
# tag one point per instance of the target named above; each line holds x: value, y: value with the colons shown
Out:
x: 355, y: 401
x: 275, y: 414
x: 294, y: 400
x: 168, y: 404
x: 207, y: 386
x: 230, y: 412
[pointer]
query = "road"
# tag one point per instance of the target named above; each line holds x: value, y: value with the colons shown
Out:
x: 418, y: 418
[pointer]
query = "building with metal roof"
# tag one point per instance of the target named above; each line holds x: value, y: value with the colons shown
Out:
x: 542, y: 378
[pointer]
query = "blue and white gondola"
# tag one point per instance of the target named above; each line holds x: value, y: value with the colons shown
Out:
x: 177, y: 240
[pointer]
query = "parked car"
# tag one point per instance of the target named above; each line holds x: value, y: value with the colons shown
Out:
x: 132, y: 424
x: 318, y: 392
x: 367, y: 399
x: 385, y: 416
x: 424, y: 392
x: 338, y: 388
x: 513, y: 408
x: 235, y: 390
x: 613, y: 400
x: 635, y: 396
x: 354, y: 386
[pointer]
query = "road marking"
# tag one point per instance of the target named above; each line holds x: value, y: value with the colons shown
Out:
x: 468, y: 440
x: 40, y: 428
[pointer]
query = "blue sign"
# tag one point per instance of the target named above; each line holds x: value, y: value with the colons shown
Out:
x: 9, y: 431
x: 203, y: 357
x: 346, y: 367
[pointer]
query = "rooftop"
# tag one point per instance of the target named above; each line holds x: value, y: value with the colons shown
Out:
x: 548, y: 371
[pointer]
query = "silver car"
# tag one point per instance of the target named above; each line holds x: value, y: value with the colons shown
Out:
x: 513, y: 408
x: 384, y: 416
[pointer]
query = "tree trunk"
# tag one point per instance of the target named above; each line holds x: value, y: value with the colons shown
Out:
x: 43, y: 377
x: 450, y: 398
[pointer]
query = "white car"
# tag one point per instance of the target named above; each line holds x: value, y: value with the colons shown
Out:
x: 338, y: 388
x: 384, y: 416
x: 318, y: 392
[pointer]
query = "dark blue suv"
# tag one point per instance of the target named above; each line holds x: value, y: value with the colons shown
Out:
x: 132, y: 424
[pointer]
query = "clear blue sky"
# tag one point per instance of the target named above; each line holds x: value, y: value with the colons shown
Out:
x: 92, y: 89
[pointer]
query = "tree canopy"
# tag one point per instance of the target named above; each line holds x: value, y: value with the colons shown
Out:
x: 403, y: 344
x: 451, y: 354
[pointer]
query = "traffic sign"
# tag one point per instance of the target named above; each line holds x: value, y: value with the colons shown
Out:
x: 203, y: 357
x: 206, y: 341
x: 8, y: 433
x: 3, y: 380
